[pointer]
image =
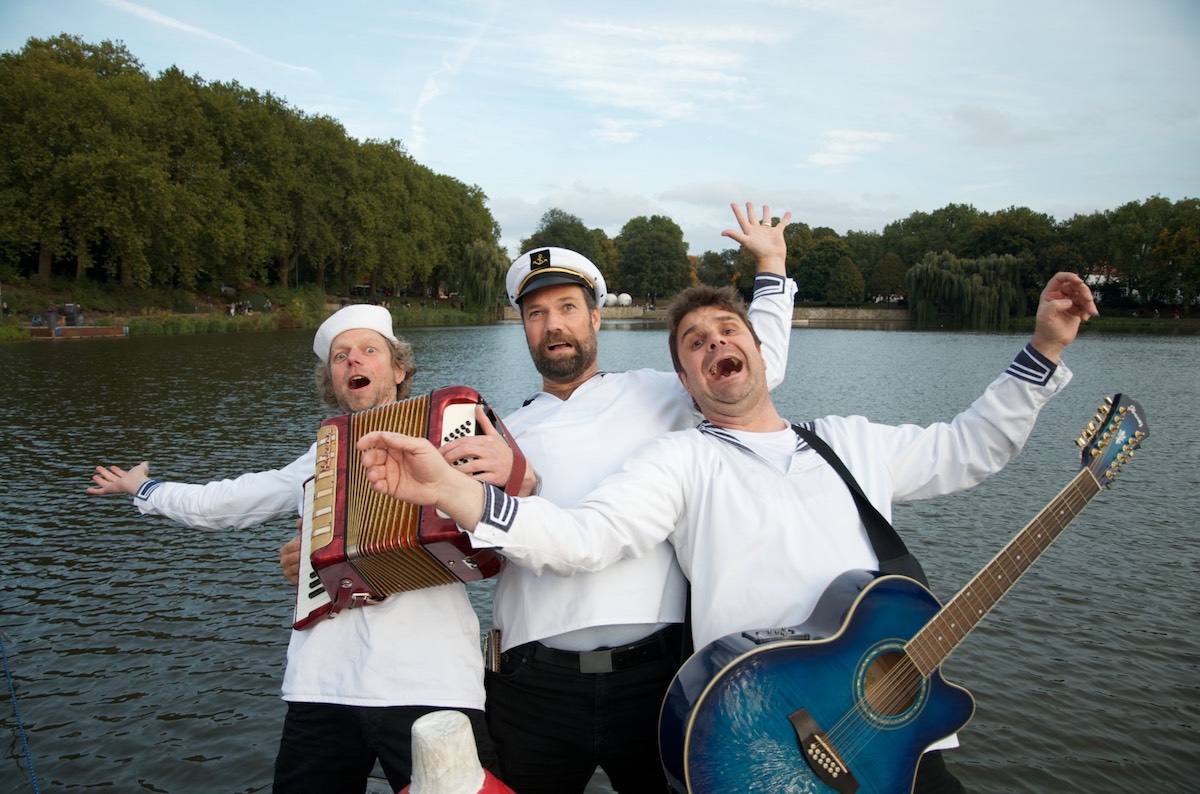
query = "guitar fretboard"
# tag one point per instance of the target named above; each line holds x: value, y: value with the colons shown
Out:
x: 930, y: 646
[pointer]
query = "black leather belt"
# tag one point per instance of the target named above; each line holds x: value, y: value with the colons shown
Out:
x: 659, y: 645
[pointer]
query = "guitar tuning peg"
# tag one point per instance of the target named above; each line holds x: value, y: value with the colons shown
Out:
x: 1108, y: 401
x: 1081, y: 442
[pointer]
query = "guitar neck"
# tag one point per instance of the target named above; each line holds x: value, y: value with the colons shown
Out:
x: 932, y: 644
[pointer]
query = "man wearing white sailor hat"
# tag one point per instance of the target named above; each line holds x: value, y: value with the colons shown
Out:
x: 354, y: 686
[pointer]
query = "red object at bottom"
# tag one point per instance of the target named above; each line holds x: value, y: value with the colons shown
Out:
x: 491, y: 785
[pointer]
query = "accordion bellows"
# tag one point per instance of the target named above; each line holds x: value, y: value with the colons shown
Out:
x: 359, y: 546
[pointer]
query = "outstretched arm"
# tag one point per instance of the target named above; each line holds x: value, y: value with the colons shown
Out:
x: 413, y: 470
x: 1065, y: 303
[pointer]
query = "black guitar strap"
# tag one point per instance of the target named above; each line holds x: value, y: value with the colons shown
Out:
x: 894, y: 556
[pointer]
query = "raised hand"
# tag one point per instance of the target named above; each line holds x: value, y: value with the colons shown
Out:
x: 763, y: 239
x: 1065, y: 303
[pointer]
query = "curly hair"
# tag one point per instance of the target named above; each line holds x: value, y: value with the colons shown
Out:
x: 402, y: 358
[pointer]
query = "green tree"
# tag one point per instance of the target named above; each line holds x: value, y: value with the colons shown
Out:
x: 323, y: 224
x: 816, y: 267
x: 846, y: 284
x: 979, y: 294
x: 256, y: 154
x: 886, y: 281
x: 654, y: 260
x: 1178, y: 250
x: 950, y: 228
x: 487, y: 265
x: 560, y: 229
x: 867, y: 249
x: 77, y: 173
x: 202, y: 221
x: 719, y: 268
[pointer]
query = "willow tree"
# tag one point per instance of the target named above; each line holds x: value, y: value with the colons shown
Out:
x: 977, y: 294
x: 486, y: 265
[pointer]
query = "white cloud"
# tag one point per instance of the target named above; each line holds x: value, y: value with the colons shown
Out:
x: 840, y: 147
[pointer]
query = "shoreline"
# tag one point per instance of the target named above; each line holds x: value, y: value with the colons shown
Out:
x: 113, y: 326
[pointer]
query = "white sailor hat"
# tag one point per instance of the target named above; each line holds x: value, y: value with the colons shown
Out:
x: 543, y: 267
x: 359, y: 315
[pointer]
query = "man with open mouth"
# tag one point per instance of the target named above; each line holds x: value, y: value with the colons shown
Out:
x: 584, y: 662
x: 354, y: 686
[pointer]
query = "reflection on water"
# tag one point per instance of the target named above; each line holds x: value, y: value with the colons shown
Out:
x: 148, y: 657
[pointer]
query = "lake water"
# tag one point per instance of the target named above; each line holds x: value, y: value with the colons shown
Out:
x: 147, y: 657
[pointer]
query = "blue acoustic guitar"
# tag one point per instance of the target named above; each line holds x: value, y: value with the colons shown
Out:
x: 849, y: 700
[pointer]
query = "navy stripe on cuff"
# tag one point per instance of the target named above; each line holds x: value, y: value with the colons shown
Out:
x: 146, y: 489
x: 769, y: 284
x: 1032, y: 367
x: 499, y: 509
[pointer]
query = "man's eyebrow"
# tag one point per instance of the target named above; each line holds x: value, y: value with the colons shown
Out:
x: 688, y: 330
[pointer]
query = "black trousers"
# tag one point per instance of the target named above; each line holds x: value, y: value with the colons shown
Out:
x: 934, y: 778
x: 331, y: 749
x: 553, y: 725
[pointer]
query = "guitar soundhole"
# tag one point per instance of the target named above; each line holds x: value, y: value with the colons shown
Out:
x: 891, y: 684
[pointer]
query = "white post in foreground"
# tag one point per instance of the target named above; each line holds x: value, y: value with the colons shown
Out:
x: 445, y: 760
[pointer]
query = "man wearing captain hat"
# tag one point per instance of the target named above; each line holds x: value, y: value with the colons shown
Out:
x: 584, y: 661
x: 354, y: 686
x: 546, y: 267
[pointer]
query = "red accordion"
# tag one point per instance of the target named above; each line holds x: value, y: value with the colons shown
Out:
x: 359, y: 546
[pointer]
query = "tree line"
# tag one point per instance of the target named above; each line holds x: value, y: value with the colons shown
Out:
x: 109, y: 174
x: 956, y: 266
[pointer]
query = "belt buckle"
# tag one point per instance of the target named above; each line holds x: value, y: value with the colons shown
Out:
x: 595, y: 662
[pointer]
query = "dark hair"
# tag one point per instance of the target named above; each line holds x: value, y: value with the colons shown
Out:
x: 703, y: 296
x: 402, y: 357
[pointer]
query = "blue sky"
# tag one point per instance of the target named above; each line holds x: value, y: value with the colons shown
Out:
x: 849, y: 113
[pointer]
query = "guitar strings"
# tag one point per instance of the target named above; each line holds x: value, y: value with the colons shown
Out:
x: 900, y: 686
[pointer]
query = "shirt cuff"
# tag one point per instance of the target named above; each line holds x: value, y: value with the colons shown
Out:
x: 1032, y: 367
x: 766, y: 284
x: 147, y: 488
x: 499, y: 509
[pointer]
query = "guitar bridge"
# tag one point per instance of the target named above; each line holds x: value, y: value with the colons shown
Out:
x: 763, y: 636
x: 820, y: 755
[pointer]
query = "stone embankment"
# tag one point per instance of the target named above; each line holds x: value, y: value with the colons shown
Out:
x: 802, y: 316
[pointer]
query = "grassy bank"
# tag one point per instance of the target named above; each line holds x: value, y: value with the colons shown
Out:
x: 157, y: 312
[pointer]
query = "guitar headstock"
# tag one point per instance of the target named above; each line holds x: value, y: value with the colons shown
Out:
x: 1111, y: 437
